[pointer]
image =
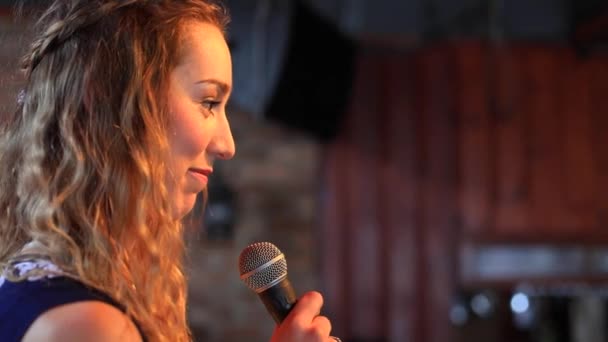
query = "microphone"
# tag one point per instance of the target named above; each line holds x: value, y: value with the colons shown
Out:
x: 263, y: 268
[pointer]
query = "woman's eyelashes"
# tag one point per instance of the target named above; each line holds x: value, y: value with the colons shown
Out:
x: 211, y: 105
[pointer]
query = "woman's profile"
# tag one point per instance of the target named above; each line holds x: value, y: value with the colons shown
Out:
x: 121, y: 120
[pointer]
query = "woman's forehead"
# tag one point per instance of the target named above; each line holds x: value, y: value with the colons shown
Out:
x: 205, y: 55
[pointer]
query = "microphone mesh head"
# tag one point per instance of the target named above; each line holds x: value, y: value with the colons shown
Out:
x: 262, y: 265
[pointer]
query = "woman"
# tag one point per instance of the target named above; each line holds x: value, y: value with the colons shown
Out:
x: 118, y: 127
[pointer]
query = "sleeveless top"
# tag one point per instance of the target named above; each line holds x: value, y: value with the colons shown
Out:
x: 21, y: 303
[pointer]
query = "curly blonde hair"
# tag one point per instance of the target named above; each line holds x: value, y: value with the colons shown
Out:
x: 82, y: 159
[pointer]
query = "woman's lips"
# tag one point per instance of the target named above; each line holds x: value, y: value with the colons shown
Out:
x: 201, y: 176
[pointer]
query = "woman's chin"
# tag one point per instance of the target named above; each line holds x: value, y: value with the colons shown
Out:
x: 183, y: 206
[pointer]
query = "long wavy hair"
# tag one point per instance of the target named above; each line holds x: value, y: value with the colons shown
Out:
x: 82, y: 159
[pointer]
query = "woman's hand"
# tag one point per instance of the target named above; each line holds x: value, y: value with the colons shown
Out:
x: 304, y: 323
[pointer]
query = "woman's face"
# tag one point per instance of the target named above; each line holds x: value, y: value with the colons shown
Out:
x: 199, y: 132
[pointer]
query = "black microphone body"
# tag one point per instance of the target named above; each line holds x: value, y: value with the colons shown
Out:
x: 279, y: 300
x: 263, y: 268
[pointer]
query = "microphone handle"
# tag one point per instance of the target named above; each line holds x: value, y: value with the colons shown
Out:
x: 279, y: 300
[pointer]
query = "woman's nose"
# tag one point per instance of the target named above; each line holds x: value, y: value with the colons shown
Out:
x: 222, y: 144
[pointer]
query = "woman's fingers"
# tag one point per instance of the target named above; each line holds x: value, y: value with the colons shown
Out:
x: 307, y: 308
x: 304, y: 323
x: 322, y: 324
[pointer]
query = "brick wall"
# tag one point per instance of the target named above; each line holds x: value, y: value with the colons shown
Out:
x: 11, y: 48
x: 274, y: 176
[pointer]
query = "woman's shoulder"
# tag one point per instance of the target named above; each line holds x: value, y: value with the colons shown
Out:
x: 50, y: 304
x: 83, y: 321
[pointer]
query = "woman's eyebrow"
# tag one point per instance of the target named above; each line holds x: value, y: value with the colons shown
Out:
x: 224, y: 88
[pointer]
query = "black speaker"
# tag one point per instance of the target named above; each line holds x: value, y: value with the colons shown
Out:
x: 303, y: 75
x: 315, y: 85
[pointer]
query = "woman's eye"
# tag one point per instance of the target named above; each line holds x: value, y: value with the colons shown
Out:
x: 210, y: 105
